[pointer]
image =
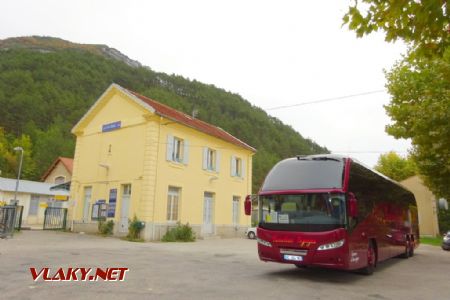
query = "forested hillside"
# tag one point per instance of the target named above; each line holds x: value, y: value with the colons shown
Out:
x: 47, y: 84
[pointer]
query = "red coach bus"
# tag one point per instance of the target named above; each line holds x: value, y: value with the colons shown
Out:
x: 331, y: 211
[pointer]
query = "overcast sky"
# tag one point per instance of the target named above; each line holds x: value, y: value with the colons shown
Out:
x: 273, y: 53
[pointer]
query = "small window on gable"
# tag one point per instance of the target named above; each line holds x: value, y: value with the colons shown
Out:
x: 60, y: 180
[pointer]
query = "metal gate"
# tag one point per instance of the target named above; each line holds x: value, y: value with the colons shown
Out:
x: 55, y: 218
x: 10, y: 219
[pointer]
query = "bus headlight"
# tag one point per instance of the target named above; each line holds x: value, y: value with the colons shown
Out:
x: 263, y: 242
x: 331, y: 245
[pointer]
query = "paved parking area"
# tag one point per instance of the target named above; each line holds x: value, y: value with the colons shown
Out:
x: 206, y: 269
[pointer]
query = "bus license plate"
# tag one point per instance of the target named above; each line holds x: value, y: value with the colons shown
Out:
x: 293, y: 257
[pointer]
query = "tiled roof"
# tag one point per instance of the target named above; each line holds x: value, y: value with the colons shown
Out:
x: 175, y: 115
x: 67, y: 162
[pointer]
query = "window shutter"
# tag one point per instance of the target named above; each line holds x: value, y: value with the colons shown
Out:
x: 205, y: 158
x: 169, y: 147
x: 243, y: 167
x: 217, y: 161
x: 233, y: 166
x: 186, y: 152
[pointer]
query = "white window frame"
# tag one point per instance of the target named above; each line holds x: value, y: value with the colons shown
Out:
x: 173, y: 204
x: 211, y: 159
x: 177, y: 149
x: 126, y: 189
x: 237, y: 167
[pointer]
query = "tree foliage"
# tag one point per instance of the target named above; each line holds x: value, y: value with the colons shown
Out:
x: 395, y: 167
x: 43, y: 93
x: 424, y: 25
x: 420, y: 82
x: 420, y: 107
x: 10, y: 159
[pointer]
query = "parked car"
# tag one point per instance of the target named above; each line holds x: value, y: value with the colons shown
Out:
x: 251, y: 232
x: 446, y: 241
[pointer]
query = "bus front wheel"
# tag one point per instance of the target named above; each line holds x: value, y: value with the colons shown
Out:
x: 371, y: 260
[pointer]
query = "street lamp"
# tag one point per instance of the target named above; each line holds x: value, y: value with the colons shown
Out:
x: 18, y: 175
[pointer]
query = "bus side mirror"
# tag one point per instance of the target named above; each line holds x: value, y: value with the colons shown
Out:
x: 352, y: 205
x: 248, y: 205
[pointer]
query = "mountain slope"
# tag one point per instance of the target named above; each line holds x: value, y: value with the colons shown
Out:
x: 47, y: 84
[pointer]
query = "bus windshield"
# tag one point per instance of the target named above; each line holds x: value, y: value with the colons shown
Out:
x: 282, y: 211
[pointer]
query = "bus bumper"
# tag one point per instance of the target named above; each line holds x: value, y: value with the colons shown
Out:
x: 307, y: 254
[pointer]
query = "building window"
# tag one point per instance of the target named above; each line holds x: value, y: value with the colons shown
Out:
x: 211, y: 159
x: 87, y: 201
x: 236, y: 210
x: 173, y: 203
x: 60, y: 180
x: 236, y: 167
x: 126, y: 190
x: 177, y: 149
x: 34, y: 205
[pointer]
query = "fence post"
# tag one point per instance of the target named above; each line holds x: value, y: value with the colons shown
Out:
x: 45, y: 217
x: 65, y: 218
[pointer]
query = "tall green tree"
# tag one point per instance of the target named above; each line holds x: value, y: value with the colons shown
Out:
x: 396, y: 167
x: 420, y: 108
x: 420, y: 82
x: 10, y: 159
x: 423, y: 25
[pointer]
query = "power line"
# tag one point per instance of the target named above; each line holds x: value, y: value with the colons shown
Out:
x: 369, y: 152
x: 326, y: 100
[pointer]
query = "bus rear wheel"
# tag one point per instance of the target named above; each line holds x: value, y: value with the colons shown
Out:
x: 407, y: 252
x: 411, y: 249
x: 371, y: 260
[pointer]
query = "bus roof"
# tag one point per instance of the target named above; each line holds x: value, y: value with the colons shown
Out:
x: 306, y: 173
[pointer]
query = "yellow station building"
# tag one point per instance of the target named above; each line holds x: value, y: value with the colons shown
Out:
x: 136, y: 156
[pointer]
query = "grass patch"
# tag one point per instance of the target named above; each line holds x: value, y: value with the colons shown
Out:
x: 434, y: 241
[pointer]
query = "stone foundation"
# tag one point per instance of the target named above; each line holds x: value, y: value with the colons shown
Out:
x: 154, y: 232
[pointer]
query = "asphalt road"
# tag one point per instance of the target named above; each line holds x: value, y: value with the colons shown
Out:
x: 206, y: 269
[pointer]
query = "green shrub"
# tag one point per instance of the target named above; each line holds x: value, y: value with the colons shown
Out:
x: 106, y: 228
x: 134, y: 229
x: 181, y: 233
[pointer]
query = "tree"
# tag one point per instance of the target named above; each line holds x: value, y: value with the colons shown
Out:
x: 424, y: 25
x: 420, y: 108
x: 9, y: 159
x: 395, y: 167
x: 420, y: 83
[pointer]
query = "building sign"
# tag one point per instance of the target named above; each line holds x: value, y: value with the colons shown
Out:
x: 112, y: 203
x: 99, y: 210
x: 111, y: 126
x: 61, y: 197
